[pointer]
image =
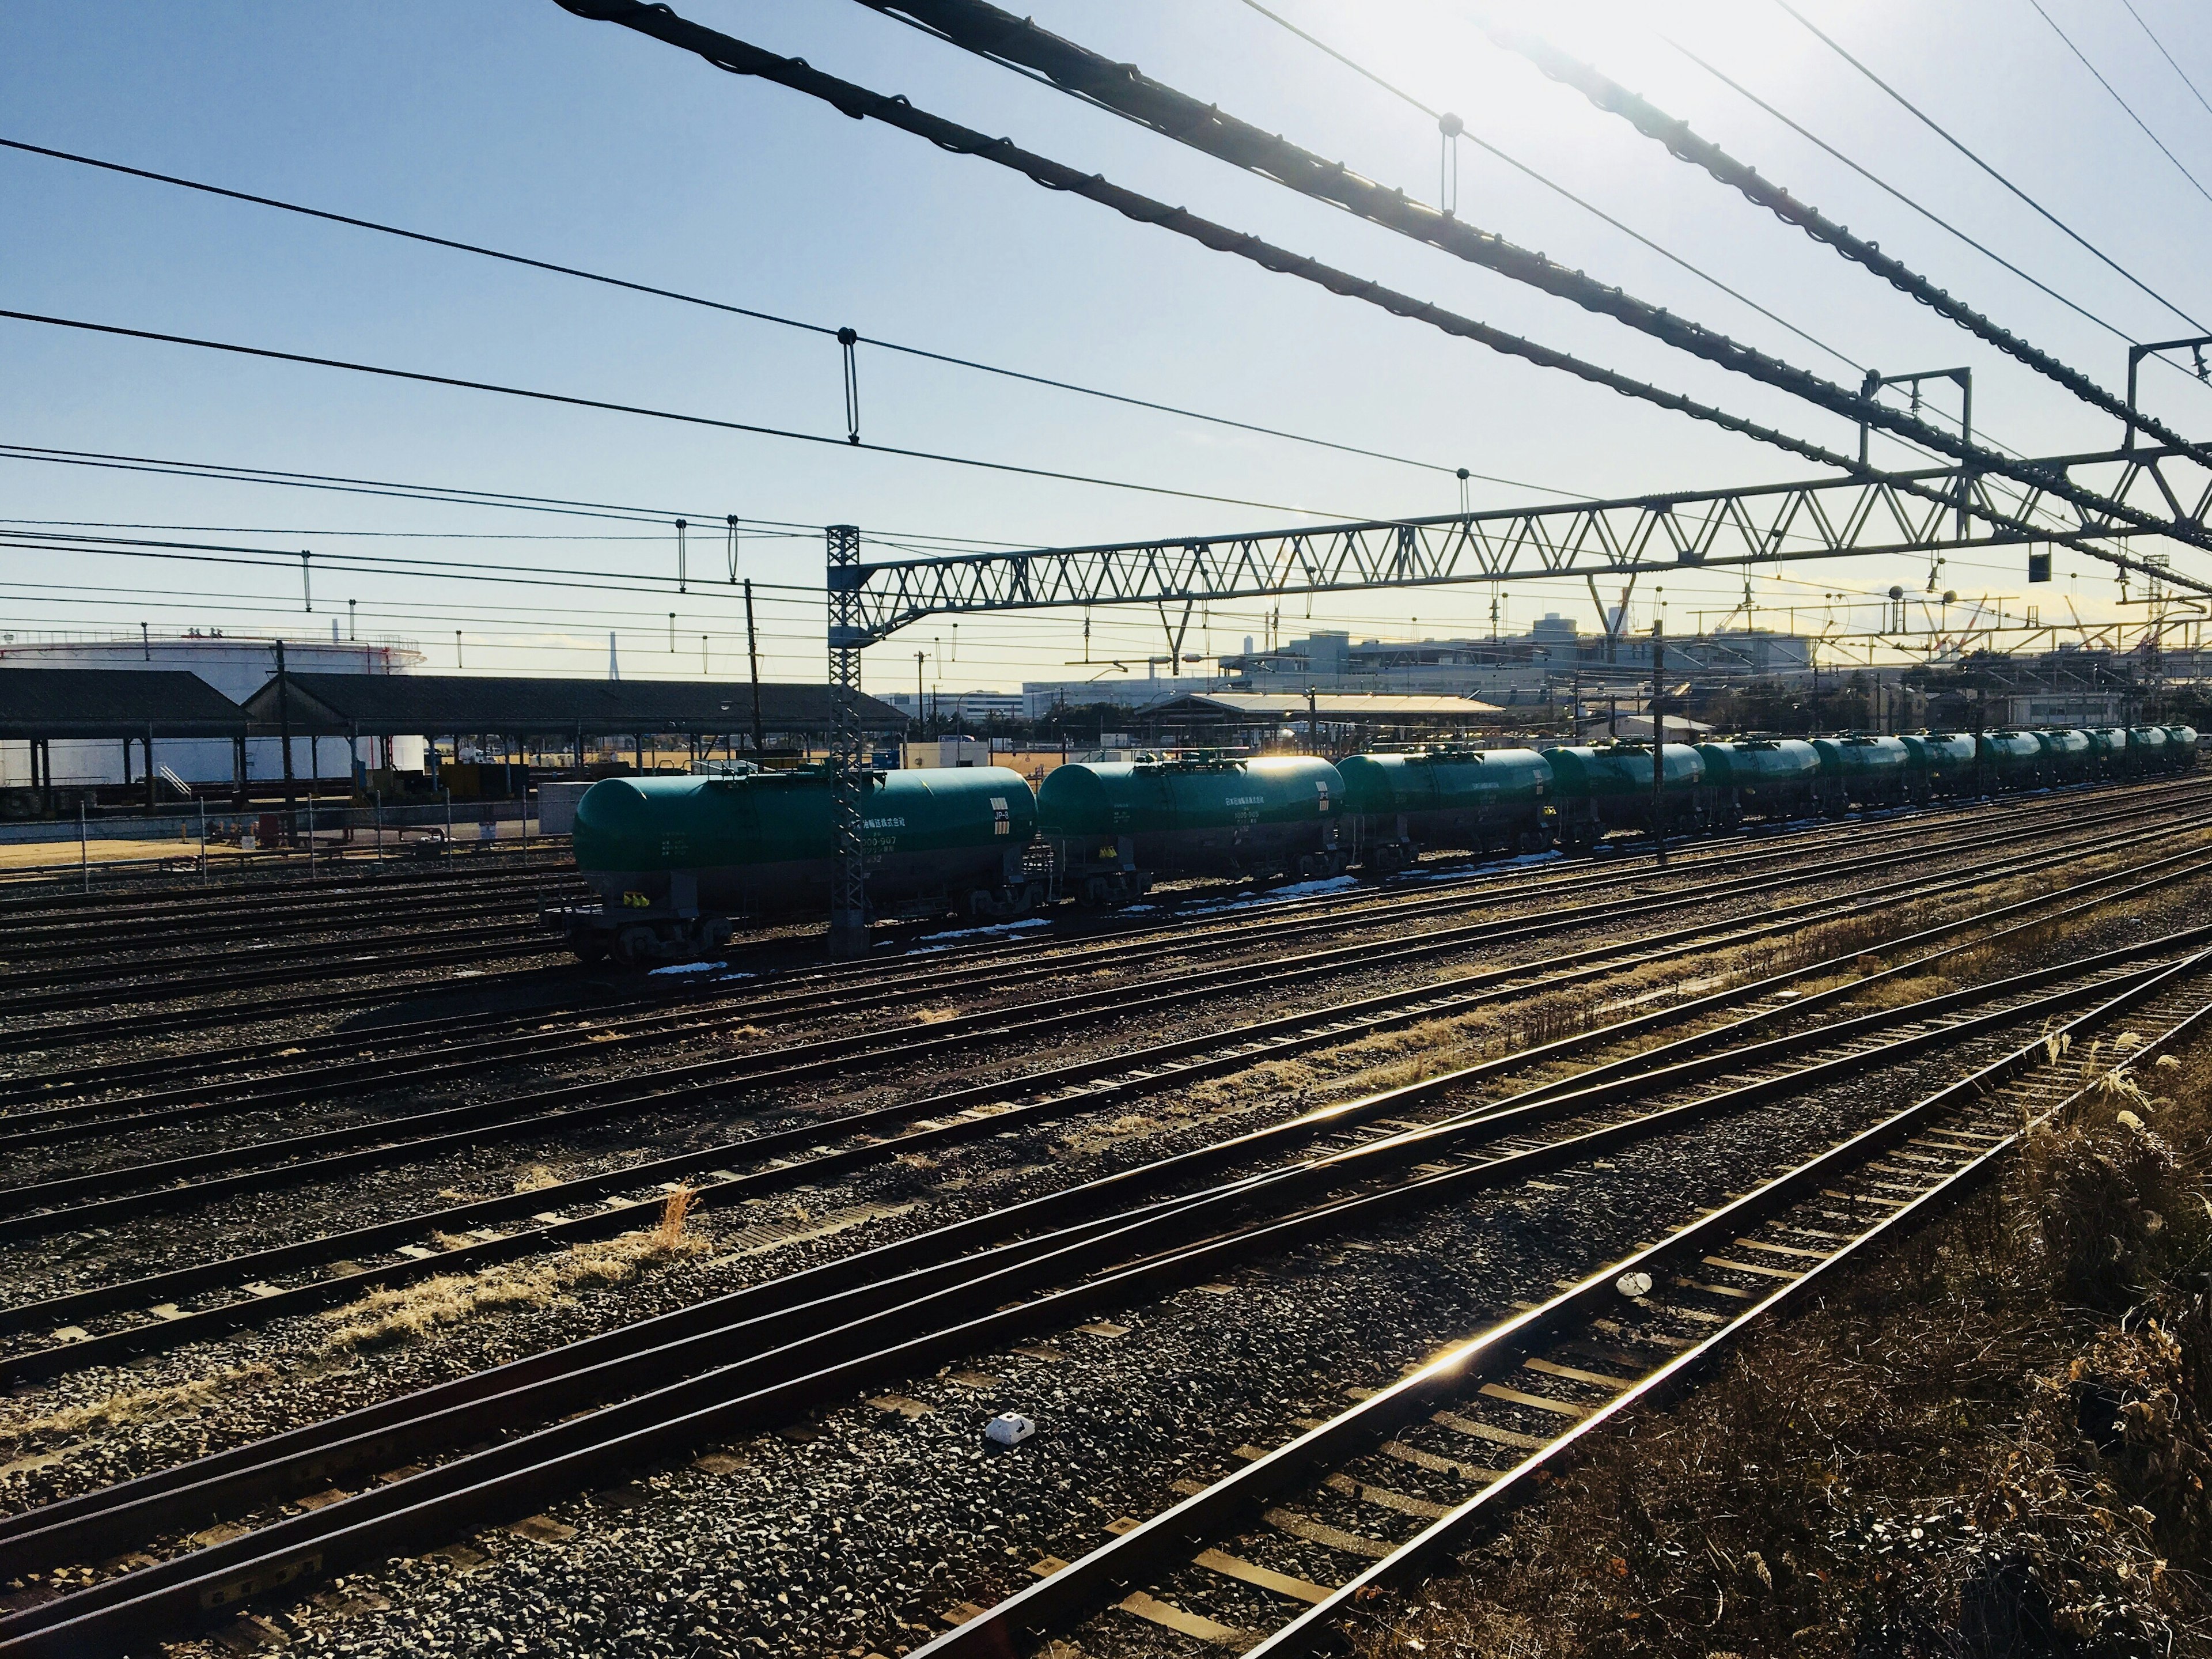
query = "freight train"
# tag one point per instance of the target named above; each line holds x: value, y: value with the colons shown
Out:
x: 674, y: 859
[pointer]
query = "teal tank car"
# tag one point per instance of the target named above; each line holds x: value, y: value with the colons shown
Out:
x: 2108, y: 751
x: 1476, y: 800
x: 1866, y: 771
x: 2068, y: 756
x: 1763, y: 778
x: 1941, y: 765
x: 1602, y: 787
x: 2011, y: 760
x: 2147, y: 751
x: 2181, y: 747
x: 673, y: 858
x: 1113, y: 827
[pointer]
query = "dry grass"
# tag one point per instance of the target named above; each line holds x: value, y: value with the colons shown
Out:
x: 1993, y: 1439
x: 412, y: 1312
x: 128, y: 1406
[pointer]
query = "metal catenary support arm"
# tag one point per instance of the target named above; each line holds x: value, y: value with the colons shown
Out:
x: 1765, y: 524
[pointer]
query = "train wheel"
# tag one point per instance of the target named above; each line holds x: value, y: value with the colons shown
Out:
x: 634, y: 946
x: 591, y: 949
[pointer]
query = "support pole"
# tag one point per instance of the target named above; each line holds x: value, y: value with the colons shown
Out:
x: 1658, y: 744
x: 284, y: 727
x: 849, y: 894
x: 752, y: 655
x: 83, y: 847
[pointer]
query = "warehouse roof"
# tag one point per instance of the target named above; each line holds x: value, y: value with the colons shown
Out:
x: 113, y: 702
x: 416, y: 705
x: 1349, y: 706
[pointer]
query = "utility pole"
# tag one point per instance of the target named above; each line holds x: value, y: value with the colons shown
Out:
x: 848, y: 784
x: 284, y: 723
x: 1658, y: 744
x: 753, y: 652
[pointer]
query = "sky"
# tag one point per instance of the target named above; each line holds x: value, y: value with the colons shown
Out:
x: 514, y: 124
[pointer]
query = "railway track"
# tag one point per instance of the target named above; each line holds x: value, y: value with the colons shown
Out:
x: 502, y: 1229
x: 494, y: 1041
x: 1497, y: 1410
x: 754, y: 1358
x: 1740, y: 852
x: 92, y: 1198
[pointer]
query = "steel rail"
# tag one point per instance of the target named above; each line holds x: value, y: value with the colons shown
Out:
x: 41, y: 1123
x: 1061, y: 1602
x: 1222, y: 918
x: 33, y: 1207
x: 819, y: 1358
x: 81, y: 1031
x: 1128, y: 1075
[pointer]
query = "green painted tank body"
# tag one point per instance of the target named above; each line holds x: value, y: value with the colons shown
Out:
x: 1471, y: 798
x: 2068, y: 756
x: 1751, y: 764
x: 1763, y: 777
x: 1582, y: 772
x: 762, y: 842
x: 2181, y: 741
x: 2012, y: 759
x: 2146, y: 749
x: 1225, y: 816
x: 1941, y: 763
x: 2108, y: 749
x: 1445, y: 780
x: 1863, y: 760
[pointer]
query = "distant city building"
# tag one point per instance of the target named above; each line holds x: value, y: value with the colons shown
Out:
x: 1511, y: 670
x: 974, y: 707
x: 1040, y: 698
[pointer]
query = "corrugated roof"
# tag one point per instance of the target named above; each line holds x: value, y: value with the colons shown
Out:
x: 432, y: 704
x: 113, y: 702
x: 1329, y: 705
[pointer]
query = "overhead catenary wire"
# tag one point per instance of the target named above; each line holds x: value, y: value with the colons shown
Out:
x: 1554, y: 186
x: 2163, y: 52
x: 2083, y: 58
x: 568, y: 400
x: 657, y: 291
x: 1931, y: 123
x: 998, y: 36
x: 1883, y: 185
x: 1680, y: 141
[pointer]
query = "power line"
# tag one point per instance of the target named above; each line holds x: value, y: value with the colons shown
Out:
x: 1686, y: 145
x: 996, y: 36
x: 1551, y: 184
x: 421, y: 378
x: 1929, y: 122
x: 1928, y: 214
x: 2083, y: 58
x: 2163, y: 52
x: 733, y: 310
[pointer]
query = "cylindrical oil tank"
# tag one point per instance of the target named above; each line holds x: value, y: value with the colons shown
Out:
x: 2011, y: 760
x: 1763, y: 777
x: 1941, y: 763
x: 1598, y: 788
x: 2181, y: 747
x: 1253, y: 817
x: 2108, y: 749
x: 1474, y: 799
x: 2067, y: 756
x: 763, y: 842
x: 1870, y: 771
x: 2148, y: 749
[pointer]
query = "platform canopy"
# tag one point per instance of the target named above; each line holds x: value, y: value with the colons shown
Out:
x: 45, y: 703
x: 430, y: 705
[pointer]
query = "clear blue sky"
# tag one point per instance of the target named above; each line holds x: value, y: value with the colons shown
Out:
x: 509, y: 122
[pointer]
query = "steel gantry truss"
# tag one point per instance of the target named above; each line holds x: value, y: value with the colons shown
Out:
x: 1694, y: 530
x: 1860, y: 516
